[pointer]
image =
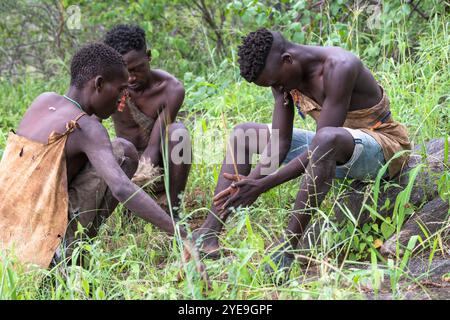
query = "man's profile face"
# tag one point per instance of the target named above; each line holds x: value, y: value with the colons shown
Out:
x: 277, y: 71
x: 273, y: 73
x: 110, y: 93
x: 138, y: 68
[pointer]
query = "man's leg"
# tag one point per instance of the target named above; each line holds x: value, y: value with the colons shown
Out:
x: 213, y: 224
x: 179, y: 162
x: 90, y: 200
x: 329, y: 147
x: 366, y: 161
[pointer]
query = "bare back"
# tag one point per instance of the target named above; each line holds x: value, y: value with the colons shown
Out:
x: 51, y: 112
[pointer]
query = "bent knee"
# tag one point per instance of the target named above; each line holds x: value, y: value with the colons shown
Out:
x: 176, y: 126
x: 327, y: 136
x: 248, y: 130
x: 129, y: 150
x: 244, y: 127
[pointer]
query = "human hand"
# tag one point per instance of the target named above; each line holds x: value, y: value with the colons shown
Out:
x: 220, y: 198
x: 241, y: 193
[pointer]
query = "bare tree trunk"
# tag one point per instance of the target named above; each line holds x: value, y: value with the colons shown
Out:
x: 208, y: 16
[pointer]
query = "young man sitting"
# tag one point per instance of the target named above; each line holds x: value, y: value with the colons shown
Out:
x: 61, y: 169
x: 155, y: 97
x: 355, y: 136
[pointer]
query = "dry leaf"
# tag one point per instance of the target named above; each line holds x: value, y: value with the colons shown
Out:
x: 377, y: 243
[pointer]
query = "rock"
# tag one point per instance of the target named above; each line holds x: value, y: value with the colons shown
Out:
x: 432, y: 217
x: 430, y: 220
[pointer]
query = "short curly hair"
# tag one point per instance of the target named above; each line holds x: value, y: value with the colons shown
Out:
x: 125, y: 38
x: 253, y: 53
x: 92, y: 60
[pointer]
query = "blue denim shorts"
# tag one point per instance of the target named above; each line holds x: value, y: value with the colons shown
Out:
x: 365, y: 162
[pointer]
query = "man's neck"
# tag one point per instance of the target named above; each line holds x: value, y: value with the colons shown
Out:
x: 80, y: 97
x: 152, y: 80
x: 310, y: 60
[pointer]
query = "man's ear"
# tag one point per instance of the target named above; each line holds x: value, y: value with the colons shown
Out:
x: 149, y: 55
x: 99, y: 82
x: 287, y: 58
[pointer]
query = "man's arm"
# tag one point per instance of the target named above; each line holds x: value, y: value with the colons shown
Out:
x: 283, y: 121
x: 93, y: 140
x: 174, y: 100
x: 339, y: 81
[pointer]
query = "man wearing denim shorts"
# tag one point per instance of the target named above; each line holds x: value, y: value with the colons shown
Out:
x: 355, y: 133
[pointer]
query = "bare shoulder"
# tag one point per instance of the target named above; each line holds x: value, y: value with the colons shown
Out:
x: 341, y: 59
x: 91, y: 130
x: 45, y: 97
x: 171, y: 83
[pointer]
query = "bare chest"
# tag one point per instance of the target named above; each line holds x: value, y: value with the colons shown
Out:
x: 149, y: 107
x: 314, y: 89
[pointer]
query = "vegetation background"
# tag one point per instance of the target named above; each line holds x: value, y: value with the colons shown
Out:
x: 404, y: 42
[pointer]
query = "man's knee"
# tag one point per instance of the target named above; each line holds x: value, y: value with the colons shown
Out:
x: 177, y: 131
x: 243, y: 134
x: 332, y: 142
x: 180, y: 143
x: 324, y: 143
x: 130, y: 154
x: 244, y: 127
x: 327, y: 136
x: 129, y: 150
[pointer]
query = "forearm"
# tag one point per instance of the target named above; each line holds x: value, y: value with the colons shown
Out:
x: 295, y: 168
x: 153, y: 153
x: 280, y: 135
x: 146, y: 208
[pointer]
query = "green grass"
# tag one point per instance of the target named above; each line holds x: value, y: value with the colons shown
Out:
x: 132, y: 260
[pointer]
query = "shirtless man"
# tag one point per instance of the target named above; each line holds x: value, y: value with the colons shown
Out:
x: 98, y: 172
x: 155, y: 99
x: 355, y: 133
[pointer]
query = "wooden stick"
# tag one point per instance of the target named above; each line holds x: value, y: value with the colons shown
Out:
x: 231, y: 151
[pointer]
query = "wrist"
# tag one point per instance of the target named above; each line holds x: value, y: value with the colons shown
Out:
x: 264, y: 184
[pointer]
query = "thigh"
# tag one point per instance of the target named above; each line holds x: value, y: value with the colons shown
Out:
x: 367, y: 158
x: 86, y: 192
x: 255, y: 136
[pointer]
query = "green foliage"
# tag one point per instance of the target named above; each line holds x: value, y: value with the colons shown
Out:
x: 132, y: 260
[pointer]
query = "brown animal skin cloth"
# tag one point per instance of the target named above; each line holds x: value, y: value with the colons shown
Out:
x: 34, y: 197
x: 147, y: 175
x: 391, y: 135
